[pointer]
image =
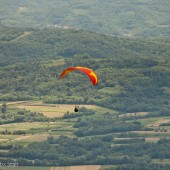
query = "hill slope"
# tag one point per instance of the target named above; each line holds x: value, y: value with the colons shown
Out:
x: 124, y: 18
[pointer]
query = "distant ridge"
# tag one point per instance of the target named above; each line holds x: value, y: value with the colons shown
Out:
x: 125, y: 18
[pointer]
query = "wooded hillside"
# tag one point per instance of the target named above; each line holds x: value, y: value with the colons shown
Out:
x: 134, y: 75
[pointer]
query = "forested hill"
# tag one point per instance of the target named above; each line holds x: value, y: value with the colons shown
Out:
x: 134, y: 74
x: 116, y: 17
x: 21, y: 44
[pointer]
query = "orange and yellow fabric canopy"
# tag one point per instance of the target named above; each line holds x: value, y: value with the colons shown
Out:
x: 90, y: 73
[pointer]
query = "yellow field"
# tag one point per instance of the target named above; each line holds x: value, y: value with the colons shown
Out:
x: 33, y: 138
x: 49, y: 111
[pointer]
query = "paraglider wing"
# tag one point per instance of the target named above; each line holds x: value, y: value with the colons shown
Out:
x: 90, y: 73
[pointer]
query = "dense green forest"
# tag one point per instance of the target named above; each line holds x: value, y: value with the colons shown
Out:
x: 116, y: 17
x: 134, y: 74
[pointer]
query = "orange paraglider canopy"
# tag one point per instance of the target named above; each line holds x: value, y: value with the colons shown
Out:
x: 90, y: 73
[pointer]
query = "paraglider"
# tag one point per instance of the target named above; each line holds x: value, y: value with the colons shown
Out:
x: 90, y: 73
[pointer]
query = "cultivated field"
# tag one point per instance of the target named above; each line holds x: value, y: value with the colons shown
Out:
x: 35, y: 131
x: 56, y: 110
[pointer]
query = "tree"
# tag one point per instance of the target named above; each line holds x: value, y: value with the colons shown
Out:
x: 4, y: 108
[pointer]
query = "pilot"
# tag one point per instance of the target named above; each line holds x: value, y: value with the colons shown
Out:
x: 76, y: 109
